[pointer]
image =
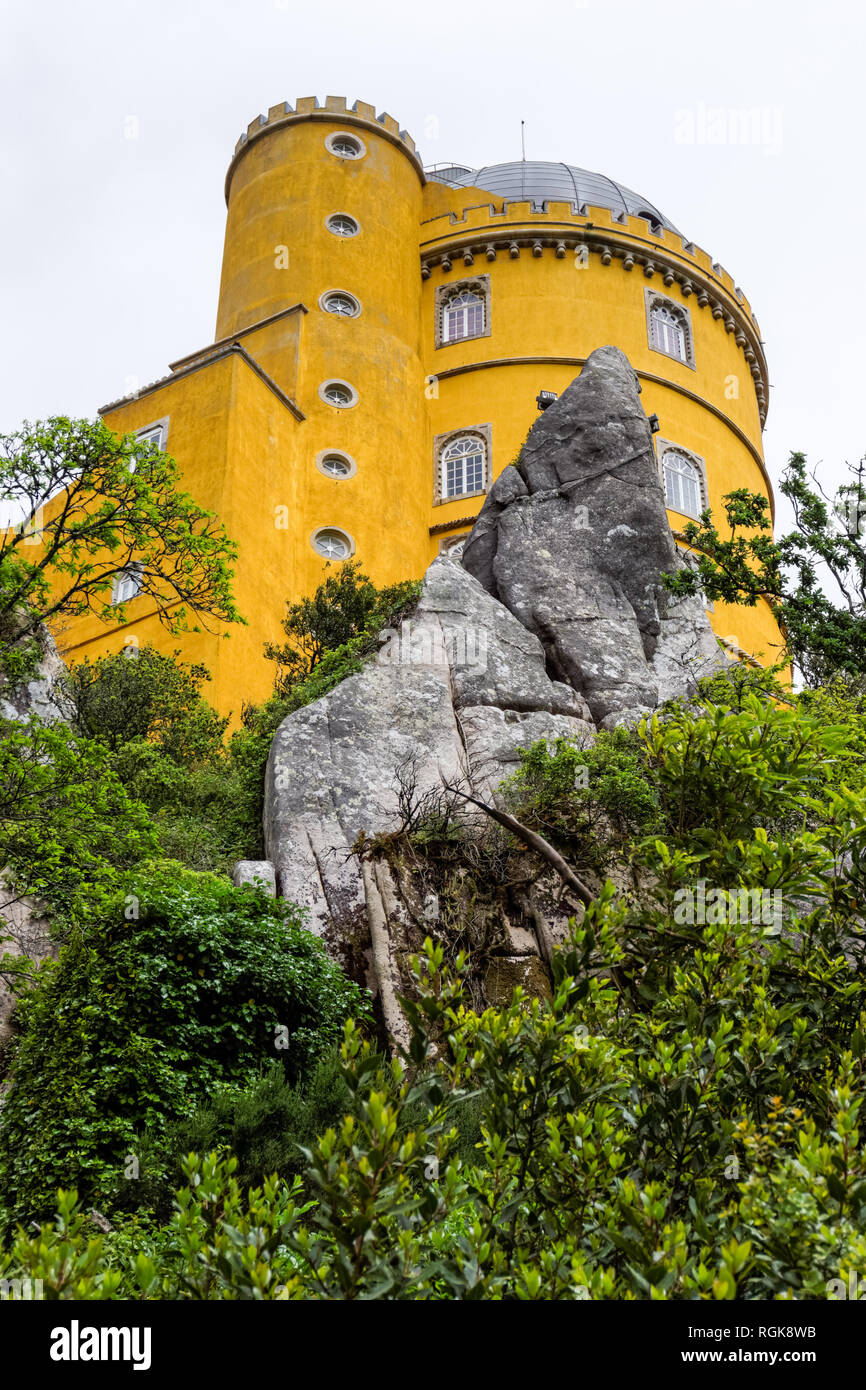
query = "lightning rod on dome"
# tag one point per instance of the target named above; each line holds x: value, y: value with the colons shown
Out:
x: 523, y: 141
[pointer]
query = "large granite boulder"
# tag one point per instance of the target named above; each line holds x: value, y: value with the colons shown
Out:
x: 553, y: 621
x: 574, y: 539
x: 451, y: 698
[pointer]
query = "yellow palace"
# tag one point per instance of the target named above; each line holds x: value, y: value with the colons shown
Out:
x: 382, y: 335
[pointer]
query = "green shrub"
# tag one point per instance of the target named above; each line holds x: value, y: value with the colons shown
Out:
x: 347, y: 606
x: 701, y: 1143
x: 141, y: 693
x: 187, y: 982
x: 591, y: 799
x: 68, y: 824
x: 726, y: 771
x: 265, y: 1122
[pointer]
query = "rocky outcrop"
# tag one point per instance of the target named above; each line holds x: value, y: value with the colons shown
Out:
x: 43, y: 693
x: 450, y: 699
x: 573, y: 540
x: 255, y: 873
x: 553, y: 622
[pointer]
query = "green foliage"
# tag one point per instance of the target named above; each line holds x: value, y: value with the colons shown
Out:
x: 19, y: 657
x: 696, y: 1141
x: 264, y: 1123
x: 680, y: 1120
x: 731, y: 686
x: 346, y: 606
x: 723, y: 771
x: 590, y: 799
x: 141, y: 694
x: 843, y: 704
x: 825, y: 638
x: 68, y: 825
x: 166, y: 746
x: 120, y: 505
x: 185, y: 982
x: 270, y: 1122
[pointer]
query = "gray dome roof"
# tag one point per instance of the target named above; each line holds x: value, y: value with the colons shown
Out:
x: 539, y: 181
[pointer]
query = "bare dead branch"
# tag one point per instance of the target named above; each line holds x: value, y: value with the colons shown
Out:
x: 532, y: 841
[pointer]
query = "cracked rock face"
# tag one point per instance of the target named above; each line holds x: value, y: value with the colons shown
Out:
x: 554, y: 622
x: 450, y: 698
x: 574, y: 540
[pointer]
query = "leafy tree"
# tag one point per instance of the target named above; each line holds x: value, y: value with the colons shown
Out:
x: 166, y: 745
x: 344, y: 607
x: 184, y: 981
x: 141, y: 693
x: 96, y: 504
x: 824, y: 637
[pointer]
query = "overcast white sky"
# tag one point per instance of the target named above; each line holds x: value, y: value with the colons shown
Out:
x: 119, y: 118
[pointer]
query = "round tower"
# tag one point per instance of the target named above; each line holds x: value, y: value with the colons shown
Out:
x: 324, y: 204
x: 526, y: 269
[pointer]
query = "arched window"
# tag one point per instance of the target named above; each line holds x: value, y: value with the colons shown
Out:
x: 669, y: 328
x: 682, y: 483
x: 462, y: 316
x: 669, y: 332
x: 463, y: 466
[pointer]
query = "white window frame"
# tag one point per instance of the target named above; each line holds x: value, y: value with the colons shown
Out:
x: 347, y: 386
x: 131, y: 576
x: 347, y: 297
x: 665, y: 447
x: 351, y: 465
x: 156, y: 432
x: 346, y: 216
x: 479, y: 447
x: 338, y: 531
x: 677, y: 321
x: 478, y: 285
x: 338, y: 137
x: 669, y: 335
x: 458, y: 313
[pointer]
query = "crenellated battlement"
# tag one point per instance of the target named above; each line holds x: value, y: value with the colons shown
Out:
x: 360, y: 114
x: 492, y: 216
x: 510, y: 227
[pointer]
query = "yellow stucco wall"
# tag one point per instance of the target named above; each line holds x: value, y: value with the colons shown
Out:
x: 247, y: 427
